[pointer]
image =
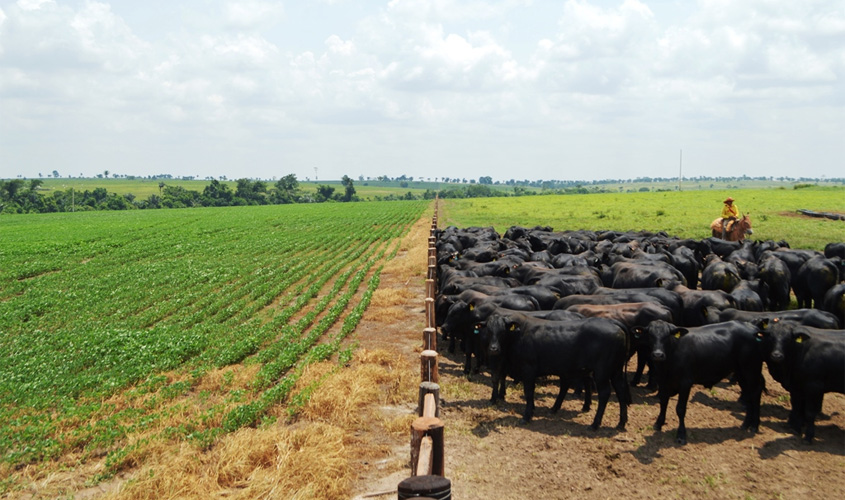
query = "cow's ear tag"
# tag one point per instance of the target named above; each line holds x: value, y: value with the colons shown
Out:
x: 477, y: 329
x: 759, y: 336
x: 798, y: 340
x: 513, y: 327
x: 471, y: 307
x: 677, y: 335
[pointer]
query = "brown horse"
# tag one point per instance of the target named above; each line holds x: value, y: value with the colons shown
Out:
x: 736, y: 229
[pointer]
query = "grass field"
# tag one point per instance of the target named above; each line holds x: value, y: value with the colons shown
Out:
x: 686, y: 214
x: 371, y: 189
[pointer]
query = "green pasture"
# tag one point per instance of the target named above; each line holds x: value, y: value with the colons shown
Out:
x: 100, y: 305
x: 686, y: 214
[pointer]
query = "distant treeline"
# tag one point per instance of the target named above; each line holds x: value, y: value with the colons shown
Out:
x: 23, y: 196
x: 18, y: 196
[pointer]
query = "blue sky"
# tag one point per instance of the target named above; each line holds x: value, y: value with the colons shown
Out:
x: 512, y: 89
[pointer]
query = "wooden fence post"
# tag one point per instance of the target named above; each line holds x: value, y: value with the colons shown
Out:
x: 430, y: 339
x: 433, y: 390
x: 432, y: 427
x: 428, y: 366
x: 429, y: 313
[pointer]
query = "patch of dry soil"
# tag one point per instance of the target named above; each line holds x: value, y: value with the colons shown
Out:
x: 556, y: 456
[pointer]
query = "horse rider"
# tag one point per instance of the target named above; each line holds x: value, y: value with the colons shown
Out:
x: 729, y: 213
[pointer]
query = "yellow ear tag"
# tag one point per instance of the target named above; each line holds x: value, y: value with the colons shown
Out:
x: 678, y: 335
x: 471, y: 307
x: 799, y: 340
x: 513, y: 328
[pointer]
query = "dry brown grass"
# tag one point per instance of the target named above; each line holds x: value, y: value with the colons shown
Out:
x: 310, y: 459
x: 276, y: 462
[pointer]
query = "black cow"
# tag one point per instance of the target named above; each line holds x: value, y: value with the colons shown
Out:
x: 641, y: 274
x: 834, y: 250
x: 815, y: 277
x: 750, y: 295
x: 696, y: 303
x: 807, y: 317
x: 808, y: 362
x: 603, y: 299
x: 531, y: 348
x: 460, y: 320
x: 720, y: 247
x: 834, y: 302
x: 668, y: 298
x: 632, y: 315
x: 776, y: 275
x: 458, y: 284
x: 684, y: 260
x: 704, y: 356
x: 719, y: 275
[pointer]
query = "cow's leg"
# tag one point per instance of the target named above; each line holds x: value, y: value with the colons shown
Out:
x: 663, y: 396
x: 564, y: 388
x: 638, y: 375
x: 475, y: 347
x: 528, y: 391
x: 624, y: 397
x: 652, y: 378
x: 467, y: 361
x: 681, y: 411
x: 752, y: 402
x: 796, y: 414
x: 812, y: 407
x: 587, y: 382
x: 497, y: 374
x: 603, y: 390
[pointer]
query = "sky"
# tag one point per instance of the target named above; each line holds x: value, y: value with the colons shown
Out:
x: 511, y: 89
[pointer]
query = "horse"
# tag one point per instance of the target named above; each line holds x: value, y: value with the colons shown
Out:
x: 736, y: 230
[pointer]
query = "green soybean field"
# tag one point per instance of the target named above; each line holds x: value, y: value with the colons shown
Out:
x: 121, y: 329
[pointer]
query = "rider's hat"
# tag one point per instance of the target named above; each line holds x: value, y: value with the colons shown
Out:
x: 728, y: 200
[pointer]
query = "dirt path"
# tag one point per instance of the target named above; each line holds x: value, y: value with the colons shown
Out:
x: 490, y: 455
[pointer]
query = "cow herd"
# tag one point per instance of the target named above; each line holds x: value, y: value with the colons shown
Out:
x: 578, y: 305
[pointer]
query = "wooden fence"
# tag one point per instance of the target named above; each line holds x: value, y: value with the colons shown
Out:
x: 427, y: 445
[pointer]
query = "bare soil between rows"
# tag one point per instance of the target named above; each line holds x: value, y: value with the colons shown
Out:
x: 489, y: 454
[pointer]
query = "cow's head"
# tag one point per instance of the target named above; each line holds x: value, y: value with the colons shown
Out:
x: 660, y: 338
x: 500, y: 330
x: 784, y: 338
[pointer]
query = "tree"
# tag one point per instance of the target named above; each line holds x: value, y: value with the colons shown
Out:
x: 324, y: 192
x: 349, y: 192
x: 55, y: 174
x: 286, y: 190
x: 485, y: 180
x: 217, y: 194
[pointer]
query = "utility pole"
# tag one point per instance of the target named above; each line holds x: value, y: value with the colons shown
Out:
x: 680, y: 170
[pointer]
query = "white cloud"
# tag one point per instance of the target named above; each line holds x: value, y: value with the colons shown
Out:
x: 35, y: 4
x: 252, y: 14
x: 461, y: 84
